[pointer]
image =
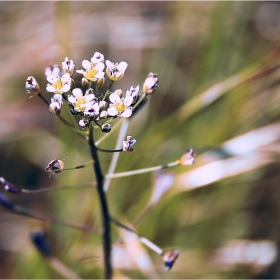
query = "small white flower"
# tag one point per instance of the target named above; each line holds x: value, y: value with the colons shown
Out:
x: 134, y: 93
x: 59, y: 84
x: 120, y: 106
x: 128, y: 145
x: 80, y: 101
x: 188, y: 157
x: 92, y: 71
x: 150, y: 83
x: 83, y: 123
x: 68, y: 66
x: 92, y: 111
x: 32, y: 86
x: 53, y: 70
x: 115, y: 71
x: 97, y: 57
x: 56, y: 104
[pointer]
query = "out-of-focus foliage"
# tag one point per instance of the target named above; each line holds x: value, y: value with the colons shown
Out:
x: 218, y: 67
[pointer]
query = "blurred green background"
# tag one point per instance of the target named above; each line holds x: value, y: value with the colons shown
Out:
x: 218, y: 67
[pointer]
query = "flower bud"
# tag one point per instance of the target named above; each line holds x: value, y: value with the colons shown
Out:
x: 39, y: 239
x: 128, y: 145
x: 115, y: 71
x: 55, y: 166
x: 9, y: 186
x: 101, y: 82
x: 97, y: 57
x: 56, y: 104
x: 68, y: 66
x: 32, y: 86
x: 102, y: 104
x: 85, y: 83
x: 103, y: 115
x: 106, y: 127
x: 188, y: 157
x: 150, y: 83
x: 169, y: 257
x: 83, y: 123
x: 53, y: 70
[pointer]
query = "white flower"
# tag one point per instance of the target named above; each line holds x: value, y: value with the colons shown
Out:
x: 92, y: 71
x: 68, y: 66
x: 128, y: 145
x: 32, y: 86
x: 53, y: 70
x: 120, y: 106
x: 80, y: 101
x: 150, y: 83
x: 188, y: 157
x: 83, y: 123
x: 133, y: 92
x: 97, y: 57
x: 56, y: 104
x: 92, y: 111
x: 59, y: 84
x: 115, y: 71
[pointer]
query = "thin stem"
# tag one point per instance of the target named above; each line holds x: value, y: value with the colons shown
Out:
x: 26, y: 191
x: 109, y: 151
x: 144, y: 170
x: 43, y: 98
x: 104, y: 207
x: 139, y: 101
x: 79, y: 166
x: 85, y: 133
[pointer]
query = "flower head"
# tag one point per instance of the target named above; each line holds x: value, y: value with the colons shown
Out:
x: 150, y: 83
x: 68, y: 66
x: 55, y: 166
x: 59, y: 84
x: 32, y: 86
x: 120, y: 106
x: 92, y: 71
x: 56, y: 104
x: 188, y: 157
x: 115, y: 71
x: 97, y: 57
x: 79, y: 101
x: 54, y: 70
x: 134, y: 93
x: 92, y: 111
x: 128, y: 145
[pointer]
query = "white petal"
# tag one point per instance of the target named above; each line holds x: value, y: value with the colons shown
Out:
x: 81, y: 71
x: 114, y: 98
x: 109, y: 64
x: 51, y: 78
x: 50, y: 88
x: 122, y: 66
x: 128, y: 100
x: 65, y: 88
x: 89, y: 97
x: 99, y: 66
x: 86, y: 64
x: 72, y: 99
x: 112, y: 111
x: 65, y: 78
x: 127, y: 113
x: 77, y: 92
x: 99, y: 75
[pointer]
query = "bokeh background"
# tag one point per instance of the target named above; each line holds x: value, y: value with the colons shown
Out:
x: 218, y: 66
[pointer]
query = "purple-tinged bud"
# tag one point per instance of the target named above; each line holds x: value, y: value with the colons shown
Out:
x: 169, y: 257
x: 55, y: 166
x: 128, y: 145
x: 106, y: 127
x: 9, y: 186
x: 32, y: 86
x: 150, y: 83
x: 40, y: 241
x: 188, y: 157
x: 5, y: 202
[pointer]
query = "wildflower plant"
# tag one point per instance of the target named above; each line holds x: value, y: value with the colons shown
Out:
x: 88, y: 94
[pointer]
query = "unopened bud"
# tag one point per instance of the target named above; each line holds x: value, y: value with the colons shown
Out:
x: 53, y: 70
x: 128, y: 145
x: 101, y: 82
x: 188, y: 157
x: 55, y: 166
x: 103, y: 115
x: 169, y: 257
x: 32, y: 86
x: 68, y: 66
x: 106, y: 127
x: 150, y: 83
x: 56, y: 104
x: 102, y: 104
x: 85, y: 83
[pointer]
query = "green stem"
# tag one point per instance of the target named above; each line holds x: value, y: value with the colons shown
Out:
x: 79, y: 166
x: 85, y: 133
x: 104, y: 207
x: 139, y: 101
x: 144, y: 170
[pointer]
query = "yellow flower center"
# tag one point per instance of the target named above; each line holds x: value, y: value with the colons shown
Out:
x: 120, y: 106
x: 81, y: 103
x: 58, y: 84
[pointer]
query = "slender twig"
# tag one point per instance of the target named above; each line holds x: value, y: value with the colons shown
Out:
x: 139, y: 101
x: 104, y: 207
x: 79, y: 166
x: 109, y: 151
x: 43, y: 98
x: 144, y: 170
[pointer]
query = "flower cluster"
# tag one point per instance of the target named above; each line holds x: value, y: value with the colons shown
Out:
x: 89, y: 94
